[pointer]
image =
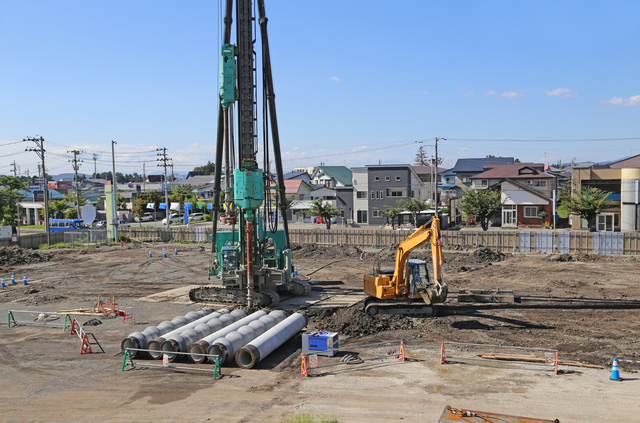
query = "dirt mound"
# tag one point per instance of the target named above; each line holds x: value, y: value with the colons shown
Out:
x: 486, y: 255
x: 324, y: 252
x: 13, y: 256
x: 355, y: 322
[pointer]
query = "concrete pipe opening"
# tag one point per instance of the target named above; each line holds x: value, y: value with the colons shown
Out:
x: 218, y: 350
x: 197, y: 349
x: 247, y: 357
x: 130, y: 343
x: 169, y: 348
x: 155, y: 347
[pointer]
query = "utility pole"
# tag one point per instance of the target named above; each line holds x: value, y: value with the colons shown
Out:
x: 164, y: 162
x: 173, y: 178
x: 76, y: 166
x: 15, y: 174
x: 39, y: 150
x: 95, y: 169
x: 144, y: 180
x: 436, y: 164
x: 114, y: 196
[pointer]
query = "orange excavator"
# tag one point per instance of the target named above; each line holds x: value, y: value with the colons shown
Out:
x: 409, y: 289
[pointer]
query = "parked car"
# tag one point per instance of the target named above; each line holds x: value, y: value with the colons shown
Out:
x: 123, y: 224
x: 174, y: 218
x: 101, y: 224
x: 148, y: 217
x: 196, y: 216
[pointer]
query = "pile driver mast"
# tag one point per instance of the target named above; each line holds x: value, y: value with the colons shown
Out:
x: 253, y: 262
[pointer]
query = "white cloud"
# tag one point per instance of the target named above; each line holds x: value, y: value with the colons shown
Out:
x: 464, y: 148
x: 619, y: 101
x: 421, y: 92
x: 336, y: 79
x: 511, y: 95
x: 562, y: 93
x: 469, y: 92
x: 490, y: 92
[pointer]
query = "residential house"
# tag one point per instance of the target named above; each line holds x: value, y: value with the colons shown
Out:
x: 526, y: 191
x: 429, y: 175
x: 377, y: 187
x: 332, y: 176
x: 622, y: 179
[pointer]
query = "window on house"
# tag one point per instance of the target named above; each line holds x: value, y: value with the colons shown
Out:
x: 377, y: 195
x: 395, y: 193
x: 361, y: 194
x: 531, y: 211
x: 377, y: 179
x: 300, y: 196
x: 387, y: 178
x: 541, y: 184
x: 341, y: 212
x: 375, y: 213
x: 372, y: 195
x: 413, y: 194
x: 466, y: 179
x: 361, y: 216
x: 382, y: 195
x: 397, y: 179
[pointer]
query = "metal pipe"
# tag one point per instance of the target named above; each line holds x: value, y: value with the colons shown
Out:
x: 180, y: 342
x: 199, y: 349
x: 255, y: 351
x: 140, y: 340
x: 226, y: 347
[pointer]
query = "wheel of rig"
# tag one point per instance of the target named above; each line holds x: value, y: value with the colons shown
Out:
x: 372, y: 310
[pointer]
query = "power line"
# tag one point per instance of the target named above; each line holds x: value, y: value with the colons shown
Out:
x: 547, y: 140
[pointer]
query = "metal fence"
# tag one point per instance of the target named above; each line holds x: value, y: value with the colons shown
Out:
x: 80, y: 238
x: 34, y: 240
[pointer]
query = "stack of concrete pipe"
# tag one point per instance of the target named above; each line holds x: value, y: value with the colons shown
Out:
x: 255, y: 351
x: 226, y: 347
x: 180, y: 339
x: 139, y: 340
x: 202, y: 346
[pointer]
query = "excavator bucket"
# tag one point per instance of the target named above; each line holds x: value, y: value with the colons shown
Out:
x: 433, y: 294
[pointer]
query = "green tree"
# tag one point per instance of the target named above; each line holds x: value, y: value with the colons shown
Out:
x: 141, y: 201
x: 72, y: 212
x: 587, y: 203
x: 483, y: 204
x: 326, y: 211
x: 9, y: 197
x: 414, y: 206
x: 57, y: 208
x: 421, y: 157
x: 208, y: 169
x: 392, y: 212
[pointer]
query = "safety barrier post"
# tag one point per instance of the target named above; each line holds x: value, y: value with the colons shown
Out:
x: 85, y: 345
x: 216, y: 369
x: 303, y: 366
x: 127, y: 354
x: 67, y: 318
x: 442, y: 356
x: 10, y: 318
x: 402, y: 351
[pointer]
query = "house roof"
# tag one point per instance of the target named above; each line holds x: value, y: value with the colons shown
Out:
x: 196, y: 180
x: 477, y: 165
x: 629, y: 162
x: 341, y: 174
x: 524, y: 187
x: 291, y: 175
x: 514, y: 171
x: 426, y: 170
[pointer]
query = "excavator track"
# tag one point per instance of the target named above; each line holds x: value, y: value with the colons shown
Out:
x: 301, y: 288
x: 413, y: 308
x: 217, y: 294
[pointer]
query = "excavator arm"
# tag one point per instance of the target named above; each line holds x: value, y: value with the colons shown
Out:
x: 436, y: 291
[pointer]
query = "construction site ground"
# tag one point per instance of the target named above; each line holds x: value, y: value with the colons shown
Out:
x: 586, y: 307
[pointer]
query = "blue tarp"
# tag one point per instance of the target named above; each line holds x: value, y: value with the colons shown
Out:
x: 163, y: 206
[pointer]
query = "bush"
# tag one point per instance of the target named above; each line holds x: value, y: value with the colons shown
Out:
x: 124, y: 238
x: 207, y: 217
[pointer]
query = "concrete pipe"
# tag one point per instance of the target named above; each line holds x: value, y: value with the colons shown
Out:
x: 140, y: 340
x: 202, y: 346
x: 254, y: 352
x: 181, y: 341
x: 154, y: 343
x: 227, y: 346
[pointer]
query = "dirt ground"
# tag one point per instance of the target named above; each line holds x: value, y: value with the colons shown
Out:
x: 586, y: 307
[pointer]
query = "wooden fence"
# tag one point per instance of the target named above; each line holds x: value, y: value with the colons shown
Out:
x: 506, y: 241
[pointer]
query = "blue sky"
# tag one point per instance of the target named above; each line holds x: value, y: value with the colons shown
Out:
x: 356, y: 82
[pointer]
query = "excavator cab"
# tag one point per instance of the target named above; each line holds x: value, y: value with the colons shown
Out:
x: 417, y: 273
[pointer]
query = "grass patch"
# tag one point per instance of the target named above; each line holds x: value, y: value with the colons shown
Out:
x: 306, y: 418
x: 58, y: 245
x: 31, y: 227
